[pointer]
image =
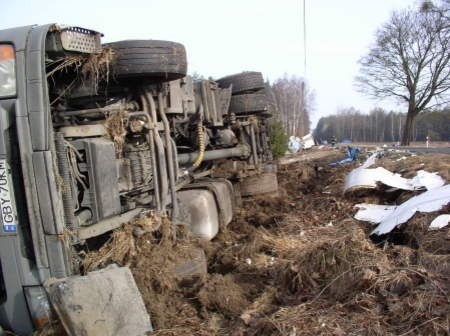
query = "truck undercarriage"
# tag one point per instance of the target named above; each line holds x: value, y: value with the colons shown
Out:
x: 95, y: 135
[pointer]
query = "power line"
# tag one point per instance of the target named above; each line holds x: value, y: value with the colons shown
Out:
x: 304, y: 39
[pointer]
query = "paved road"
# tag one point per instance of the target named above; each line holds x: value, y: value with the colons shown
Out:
x: 442, y: 150
x: 312, y: 154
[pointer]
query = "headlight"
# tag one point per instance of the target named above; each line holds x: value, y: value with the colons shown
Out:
x: 7, y: 71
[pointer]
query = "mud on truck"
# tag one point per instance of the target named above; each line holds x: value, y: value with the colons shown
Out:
x: 94, y: 134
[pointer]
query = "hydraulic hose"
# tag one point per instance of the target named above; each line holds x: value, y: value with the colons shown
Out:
x: 161, y: 157
x: 201, y: 145
x: 151, y: 141
x: 169, y: 151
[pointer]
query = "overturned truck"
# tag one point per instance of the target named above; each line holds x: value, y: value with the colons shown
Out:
x: 92, y: 135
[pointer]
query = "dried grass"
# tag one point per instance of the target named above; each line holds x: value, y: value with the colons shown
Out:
x: 91, y: 69
x: 332, y: 280
x: 343, y: 260
x: 221, y: 293
x: 52, y: 328
x: 96, y: 68
x: 115, y: 126
x: 148, y: 246
x: 302, y: 266
x: 121, y: 247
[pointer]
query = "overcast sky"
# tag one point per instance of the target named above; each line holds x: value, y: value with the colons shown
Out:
x: 225, y: 37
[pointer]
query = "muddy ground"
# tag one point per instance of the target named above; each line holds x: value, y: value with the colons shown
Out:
x: 297, y: 264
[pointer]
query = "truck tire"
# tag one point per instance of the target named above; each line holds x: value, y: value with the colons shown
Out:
x: 157, y: 60
x: 244, y: 82
x: 262, y: 184
x: 249, y: 103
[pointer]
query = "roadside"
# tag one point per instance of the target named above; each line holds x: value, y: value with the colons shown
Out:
x: 418, y: 147
x: 297, y: 264
x: 310, y: 154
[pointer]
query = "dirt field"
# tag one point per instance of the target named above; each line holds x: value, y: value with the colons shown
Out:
x: 297, y: 264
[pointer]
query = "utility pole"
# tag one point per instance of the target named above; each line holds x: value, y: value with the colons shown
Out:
x: 304, y: 38
x: 304, y: 66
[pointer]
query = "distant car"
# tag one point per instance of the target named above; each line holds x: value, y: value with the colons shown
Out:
x: 346, y: 141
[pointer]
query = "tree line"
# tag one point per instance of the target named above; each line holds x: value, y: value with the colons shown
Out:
x: 291, y: 102
x: 382, y: 126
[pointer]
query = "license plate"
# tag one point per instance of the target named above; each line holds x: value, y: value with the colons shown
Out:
x: 6, y: 206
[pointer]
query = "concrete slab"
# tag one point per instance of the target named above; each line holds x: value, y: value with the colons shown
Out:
x: 105, y: 302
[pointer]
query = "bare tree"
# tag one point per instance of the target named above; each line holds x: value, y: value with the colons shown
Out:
x: 293, y: 101
x: 410, y: 61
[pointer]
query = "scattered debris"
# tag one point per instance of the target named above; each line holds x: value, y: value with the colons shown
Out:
x: 373, y: 213
x: 429, y: 201
x: 296, y: 143
x: 352, y: 155
x: 365, y: 178
x: 439, y: 222
x: 368, y: 178
x: 370, y: 161
x: 308, y: 141
x: 428, y: 180
x: 390, y: 216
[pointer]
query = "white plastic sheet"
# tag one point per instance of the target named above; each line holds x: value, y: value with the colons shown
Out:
x: 294, y: 144
x: 428, y: 180
x: 373, y: 213
x: 370, y: 161
x: 307, y: 141
x: 367, y: 178
x: 439, y: 222
x: 429, y: 201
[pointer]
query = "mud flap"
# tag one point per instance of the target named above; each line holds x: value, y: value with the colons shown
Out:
x: 105, y: 302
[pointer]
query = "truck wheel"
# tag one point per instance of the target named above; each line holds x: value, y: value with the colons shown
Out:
x: 244, y: 82
x: 158, y: 60
x: 262, y: 184
x: 249, y: 103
